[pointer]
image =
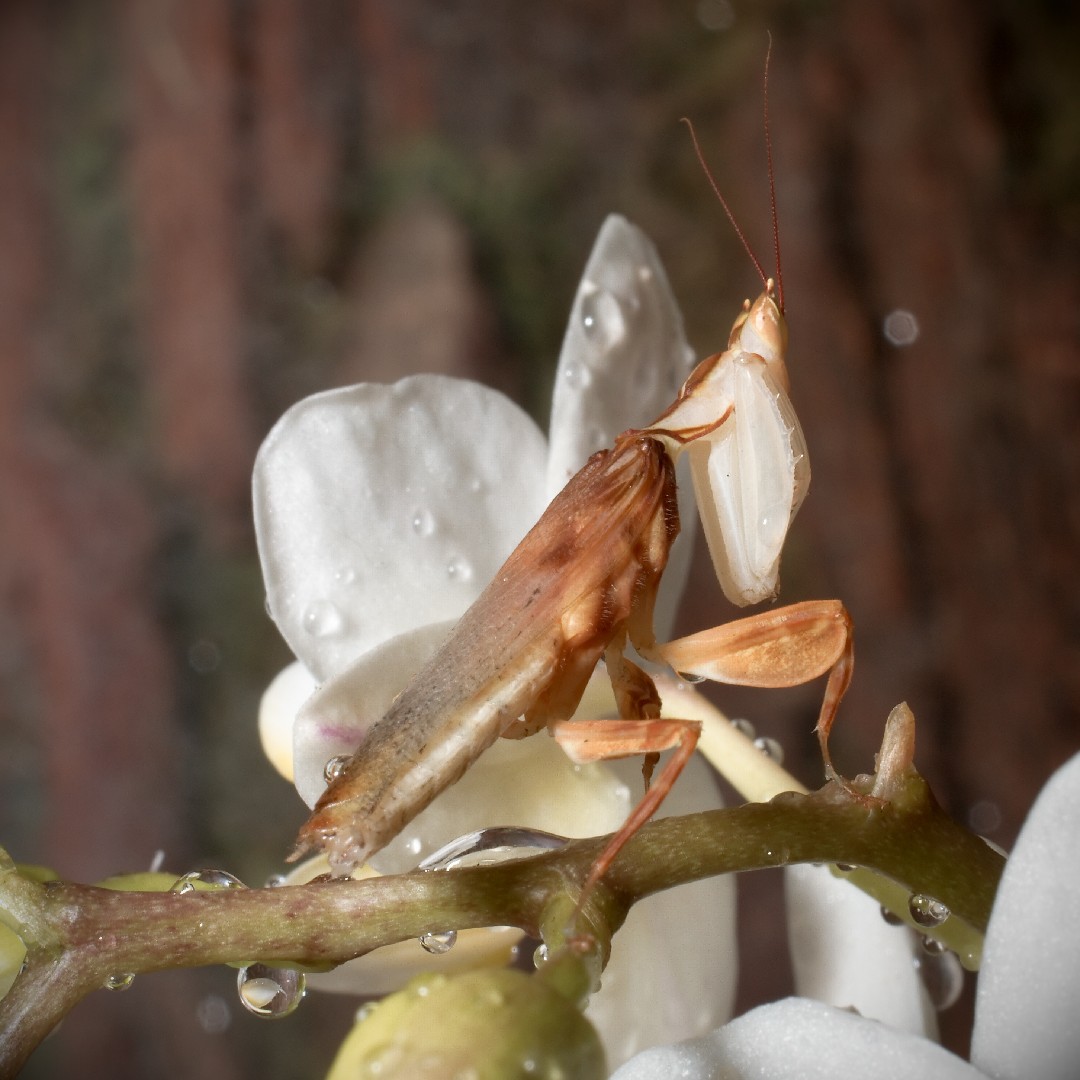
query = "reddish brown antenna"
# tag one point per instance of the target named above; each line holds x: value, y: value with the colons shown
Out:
x: 723, y: 202
x: 772, y: 193
x: 772, y: 182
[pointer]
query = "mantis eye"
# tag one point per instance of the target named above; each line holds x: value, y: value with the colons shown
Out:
x: 750, y: 477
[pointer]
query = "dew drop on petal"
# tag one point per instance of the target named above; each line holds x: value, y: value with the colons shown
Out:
x: 943, y: 976
x: 901, y: 328
x: 577, y: 378
x: 744, y: 727
x: 422, y: 522
x: 322, y: 619
x: 268, y: 991
x: 335, y: 767
x: 541, y: 955
x: 275, y: 881
x: 771, y: 748
x: 926, y: 911
x: 459, y: 569
x: 120, y: 981
x: 603, y: 319
x: 439, y: 943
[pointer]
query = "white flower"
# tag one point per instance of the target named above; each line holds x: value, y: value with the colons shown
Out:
x: 381, y: 513
x: 1025, y: 1016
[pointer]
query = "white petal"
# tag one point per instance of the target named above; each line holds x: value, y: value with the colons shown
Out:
x: 381, y: 508
x: 1029, y: 986
x: 280, y: 703
x: 674, y: 961
x: 796, y: 1039
x: 333, y: 720
x: 624, y: 355
x: 844, y: 953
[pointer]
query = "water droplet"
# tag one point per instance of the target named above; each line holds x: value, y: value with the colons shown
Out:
x: 931, y: 946
x: 541, y: 955
x: 577, y: 378
x: 458, y: 569
x: 603, y: 319
x: 891, y: 917
x: 845, y: 867
x: 270, y: 992
x: 901, y: 328
x: 121, y: 981
x: 439, y: 943
x: 414, y: 845
x: 943, y: 977
x: 984, y: 817
x: 346, y: 575
x: 771, y: 748
x: 213, y: 1014
x: 689, y: 677
x: 275, y: 881
x: 744, y: 727
x: 335, y: 767
x: 204, y: 657
x: 216, y: 879
x: 322, y: 619
x: 716, y: 14
x: 423, y: 522
x: 926, y: 911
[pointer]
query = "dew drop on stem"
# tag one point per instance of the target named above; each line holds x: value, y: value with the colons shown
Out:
x: 926, y: 911
x: 270, y: 992
x: 943, y: 977
x: 771, y: 748
x: 215, y: 879
x: 438, y: 943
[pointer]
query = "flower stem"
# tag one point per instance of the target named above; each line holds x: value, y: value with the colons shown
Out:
x: 79, y: 935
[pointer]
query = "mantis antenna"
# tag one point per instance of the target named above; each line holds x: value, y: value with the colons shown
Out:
x: 772, y: 193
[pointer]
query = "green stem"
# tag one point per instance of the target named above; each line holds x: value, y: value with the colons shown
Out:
x: 101, y: 932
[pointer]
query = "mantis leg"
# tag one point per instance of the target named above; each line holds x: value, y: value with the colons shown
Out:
x: 598, y: 740
x: 784, y: 647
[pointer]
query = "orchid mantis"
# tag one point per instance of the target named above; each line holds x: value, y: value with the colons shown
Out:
x: 582, y: 585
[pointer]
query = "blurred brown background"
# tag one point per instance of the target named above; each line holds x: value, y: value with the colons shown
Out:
x: 209, y: 209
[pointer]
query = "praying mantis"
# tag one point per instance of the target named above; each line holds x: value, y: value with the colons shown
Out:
x: 581, y: 586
